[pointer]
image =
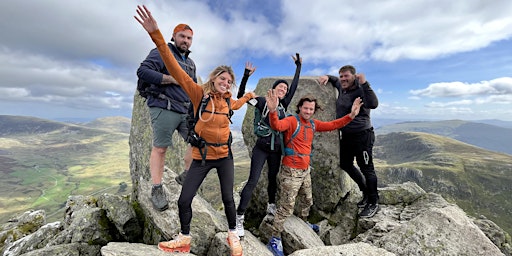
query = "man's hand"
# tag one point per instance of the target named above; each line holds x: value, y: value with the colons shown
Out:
x: 168, y: 79
x: 250, y: 67
x: 323, y: 80
x: 146, y: 19
x: 272, y: 100
x: 356, y: 106
x: 361, y: 77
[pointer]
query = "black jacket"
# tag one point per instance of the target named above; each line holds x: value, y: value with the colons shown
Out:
x: 151, y: 70
x: 345, y: 100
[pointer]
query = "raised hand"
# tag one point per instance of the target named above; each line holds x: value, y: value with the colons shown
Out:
x: 356, y: 106
x: 361, y: 77
x: 250, y: 67
x: 297, y: 59
x: 146, y: 19
x: 272, y: 100
x: 323, y: 80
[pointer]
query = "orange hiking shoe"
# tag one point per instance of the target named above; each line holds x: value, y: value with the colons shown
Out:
x: 180, y: 243
x: 234, y: 244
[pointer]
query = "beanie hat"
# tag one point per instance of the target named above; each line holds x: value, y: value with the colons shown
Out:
x: 280, y: 81
x: 181, y: 27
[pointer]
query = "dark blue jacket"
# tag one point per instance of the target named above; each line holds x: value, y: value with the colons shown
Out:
x: 345, y: 100
x: 166, y: 96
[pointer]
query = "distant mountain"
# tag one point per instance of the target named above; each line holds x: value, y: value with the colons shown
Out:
x: 478, y: 180
x: 42, y: 162
x: 491, y: 137
x: 12, y: 125
x: 113, y: 123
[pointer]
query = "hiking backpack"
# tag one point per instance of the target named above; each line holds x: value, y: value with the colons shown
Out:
x: 195, y: 140
x: 288, y: 151
x: 262, y: 129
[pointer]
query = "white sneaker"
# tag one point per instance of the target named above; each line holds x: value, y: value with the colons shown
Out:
x: 271, y: 209
x: 240, y: 225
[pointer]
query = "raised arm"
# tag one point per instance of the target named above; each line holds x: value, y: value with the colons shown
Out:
x: 369, y: 97
x: 295, y: 82
x: 194, y: 91
x: 249, y: 70
x: 335, y: 81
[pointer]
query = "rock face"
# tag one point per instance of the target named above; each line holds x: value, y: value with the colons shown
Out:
x: 410, y: 222
x: 326, y: 174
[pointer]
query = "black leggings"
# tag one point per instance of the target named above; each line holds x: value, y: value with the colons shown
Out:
x: 360, y: 146
x: 258, y: 158
x: 195, y: 176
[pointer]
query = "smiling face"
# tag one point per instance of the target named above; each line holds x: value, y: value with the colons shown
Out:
x: 222, y: 83
x: 307, y: 110
x: 281, y: 90
x: 347, y: 79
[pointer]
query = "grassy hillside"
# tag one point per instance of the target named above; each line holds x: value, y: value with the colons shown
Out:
x: 43, y: 162
x: 478, y: 180
x: 490, y: 137
x: 113, y: 123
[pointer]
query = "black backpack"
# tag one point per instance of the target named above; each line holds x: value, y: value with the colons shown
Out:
x: 194, y: 139
x: 145, y: 89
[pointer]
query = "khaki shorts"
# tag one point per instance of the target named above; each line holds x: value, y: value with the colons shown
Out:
x: 164, y: 122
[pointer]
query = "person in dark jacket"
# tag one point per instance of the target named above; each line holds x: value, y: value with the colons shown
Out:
x: 358, y: 137
x: 268, y: 144
x: 168, y: 106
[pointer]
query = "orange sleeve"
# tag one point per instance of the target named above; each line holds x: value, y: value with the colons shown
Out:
x: 332, y: 125
x: 193, y: 90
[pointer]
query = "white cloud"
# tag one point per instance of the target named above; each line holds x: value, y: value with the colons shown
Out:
x: 84, y: 55
x: 497, y: 86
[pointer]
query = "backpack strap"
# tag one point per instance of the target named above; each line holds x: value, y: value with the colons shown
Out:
x: 288, y: 150
x: 204, y: 149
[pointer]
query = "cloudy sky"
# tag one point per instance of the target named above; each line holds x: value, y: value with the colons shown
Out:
x: 426, y: 59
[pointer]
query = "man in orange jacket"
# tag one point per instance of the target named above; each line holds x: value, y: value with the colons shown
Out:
x: 295, y: 176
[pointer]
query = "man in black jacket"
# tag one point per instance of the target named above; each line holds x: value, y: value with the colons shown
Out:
x: 357, y: 138
x: 168, y: 106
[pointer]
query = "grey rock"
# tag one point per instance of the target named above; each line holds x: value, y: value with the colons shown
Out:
x: 296, y: 235
x: 73, y: 249
x: 121, y: 213
x: 34, y: 241
x: 250, y: 244
x: 21, y: 226
x: 355, y: 249
x: 133, y: 249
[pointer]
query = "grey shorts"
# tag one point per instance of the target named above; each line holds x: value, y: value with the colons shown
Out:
x: 163, y: 123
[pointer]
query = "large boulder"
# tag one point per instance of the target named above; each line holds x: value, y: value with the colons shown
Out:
x: 326, y: 174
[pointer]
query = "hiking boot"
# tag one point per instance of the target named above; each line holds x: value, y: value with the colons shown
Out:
x: 369, y: 210
x: 234, y: 243
x: 158, y: 198
x: 180, y: 243
x: 314, y: 227
x: 181, y: 178
x: 363, y: 202
x: 240, y: 226
x: 271, y: 209
x: 275, y: 246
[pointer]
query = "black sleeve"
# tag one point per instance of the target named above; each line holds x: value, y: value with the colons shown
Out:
x: 243, y: 83
x: 370, y: 99
x: 293, y: 87
x: 335, y: 81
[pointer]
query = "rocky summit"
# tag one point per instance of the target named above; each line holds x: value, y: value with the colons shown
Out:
x: 410, y: 221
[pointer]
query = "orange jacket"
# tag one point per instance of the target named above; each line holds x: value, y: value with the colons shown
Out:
x: 214, y: 130
x: 303, y: 141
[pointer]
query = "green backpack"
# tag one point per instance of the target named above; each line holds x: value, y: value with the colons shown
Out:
x: 262, y: 129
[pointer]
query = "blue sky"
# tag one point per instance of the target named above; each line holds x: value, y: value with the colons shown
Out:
x: 426, y: 59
